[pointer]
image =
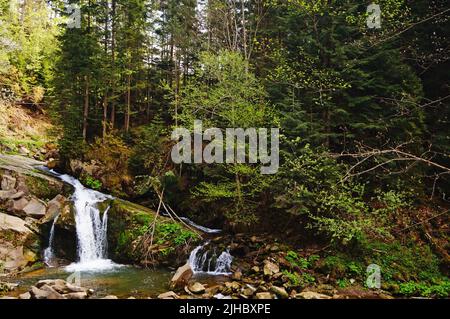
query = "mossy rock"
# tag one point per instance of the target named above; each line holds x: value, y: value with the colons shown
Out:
x: 128, y: 225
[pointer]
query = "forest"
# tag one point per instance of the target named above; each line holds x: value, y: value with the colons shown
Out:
x: 357, y: 93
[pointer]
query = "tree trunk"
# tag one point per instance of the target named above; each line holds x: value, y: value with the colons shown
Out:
x: 86, y: 107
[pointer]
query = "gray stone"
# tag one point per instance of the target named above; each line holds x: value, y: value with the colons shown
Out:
x: 12, y: 223
x: 182, y: 276
x: 26, y: 295
x: 35, y: 209
x: 8, y: 183
x: 5, y: 195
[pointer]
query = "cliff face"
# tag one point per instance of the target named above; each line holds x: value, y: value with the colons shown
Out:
x: 26, y: 202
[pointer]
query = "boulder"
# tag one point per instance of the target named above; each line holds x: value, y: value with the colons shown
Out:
x: 35, y: 209
x: 76, y: 295
x: 45, y: 292
x: 263, y: 295
x: 5, y: 195
x: 270, y: 268
x: 18, y: 205
x: 26, y: 295
x: 11, y: 223
x: 168, y: 295
x: 54, y: 207
x: 8, y: 183
x: 182, y: 276
x: 311, y: 295
x: 280, y: 292
x: 197, y: 288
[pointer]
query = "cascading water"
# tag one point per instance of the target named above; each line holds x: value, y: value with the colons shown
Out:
x: 48, y: 252
x: 91, y: 228
x: 204, y: 260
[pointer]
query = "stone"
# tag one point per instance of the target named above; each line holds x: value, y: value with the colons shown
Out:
x: 197, y: 288
x: 5, y: 195
x: 280, y: 292
x: 181, y: 277
x: 23, y: 150
x: 19, y: 205
x: 237, y: 275
x: 8, y: 183
x: 76, y: 295
x: 168, y: 295
x: 249, y: 290
x: 46, y: 292
x: 270, y: 268
x: 311, y: 295
x: 232, y: 285
x: 12, y: 223
x: 110, y: 297
x: 264, y: 295
x: 35, y: 208
x: 26, y: 295
x: 54, y: 207
x: 255, y: 269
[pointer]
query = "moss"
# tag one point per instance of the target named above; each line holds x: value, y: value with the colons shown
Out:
x: 43, y: 188
x: 129, y: 223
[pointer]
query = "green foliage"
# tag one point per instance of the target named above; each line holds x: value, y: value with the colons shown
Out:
x: 91, y: 182
x: 173, y: 233
x: 441, y: 290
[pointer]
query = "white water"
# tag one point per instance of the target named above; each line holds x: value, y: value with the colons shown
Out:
x: 203, y: 260
x: 48, y: 252
x: 91, y: 228
x: 202, y: 228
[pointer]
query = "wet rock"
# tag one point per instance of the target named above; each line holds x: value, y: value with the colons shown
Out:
x: 270, y: 268
x: 280, y: 292
x: 264, y: 295
x: 54, y: 208
x: 311, y: 295
x: 8, y: 183
x: 182, y: 276
x: 35, y: 209
x: 197, y: 288
x: 168, y: 295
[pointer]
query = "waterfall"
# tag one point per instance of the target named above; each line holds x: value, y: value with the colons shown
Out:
x: 204, y: 260
x: 91, y: 228
x: 48, y: 252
